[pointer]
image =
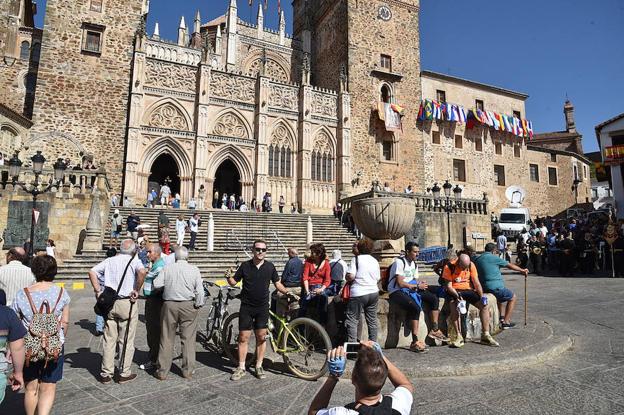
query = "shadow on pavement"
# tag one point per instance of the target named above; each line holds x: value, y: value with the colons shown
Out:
x: 86, y: 325
x: 84, y: 358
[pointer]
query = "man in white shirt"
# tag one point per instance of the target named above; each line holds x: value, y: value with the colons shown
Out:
x: 369, y: 375
x: 123, y: 316
x: 165, y: 192
x: 194, y: 227
x: 410, y: 294
x: 338, y: 271
x: 15, y: 276
x: 501, y: 244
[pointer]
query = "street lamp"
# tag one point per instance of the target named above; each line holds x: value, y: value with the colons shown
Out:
x: 448, y: 203
x: 15, y: 165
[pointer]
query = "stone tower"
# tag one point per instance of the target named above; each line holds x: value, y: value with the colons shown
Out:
x: 373, y: 48
x: 81, y: 101
x: 568, y: 111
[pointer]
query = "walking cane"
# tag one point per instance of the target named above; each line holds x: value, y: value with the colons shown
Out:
x: 525, y: 300
x: 123, y: 352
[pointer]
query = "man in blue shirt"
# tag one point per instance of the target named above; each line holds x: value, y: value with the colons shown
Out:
x: 488, y: 267
x: 291, y: 276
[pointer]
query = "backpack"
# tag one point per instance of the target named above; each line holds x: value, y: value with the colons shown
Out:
x: 42, y: 341
x: 385, y: 282
x: 381, y: 408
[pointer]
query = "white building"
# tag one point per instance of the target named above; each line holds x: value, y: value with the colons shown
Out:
x: 610, y: 135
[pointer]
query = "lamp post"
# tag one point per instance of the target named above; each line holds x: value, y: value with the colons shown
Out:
x: 448, y: 203
x: 38, y: 160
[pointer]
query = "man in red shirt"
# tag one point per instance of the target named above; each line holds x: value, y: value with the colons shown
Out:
x: 316, y: 279
x: 463, y: 286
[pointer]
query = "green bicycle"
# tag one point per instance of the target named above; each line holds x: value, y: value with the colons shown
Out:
x: 303, y: 344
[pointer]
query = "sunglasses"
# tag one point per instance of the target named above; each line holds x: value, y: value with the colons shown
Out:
x: 260, y: 250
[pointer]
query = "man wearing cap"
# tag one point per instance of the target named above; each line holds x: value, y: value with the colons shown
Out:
x: 462, y: 287
x: 488, y: 267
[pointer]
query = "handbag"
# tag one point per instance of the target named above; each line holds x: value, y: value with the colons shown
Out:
x: 345, y: 292
x: 106, y: 300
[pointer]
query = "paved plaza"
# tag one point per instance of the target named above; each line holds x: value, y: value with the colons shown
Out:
x: 568, y: 359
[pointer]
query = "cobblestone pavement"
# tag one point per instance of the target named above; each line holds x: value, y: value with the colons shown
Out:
x: 588, y: 378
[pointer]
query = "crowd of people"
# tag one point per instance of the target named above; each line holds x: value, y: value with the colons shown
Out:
x: 567, y: 247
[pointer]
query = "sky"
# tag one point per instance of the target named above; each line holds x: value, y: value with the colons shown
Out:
x: 548, y: 49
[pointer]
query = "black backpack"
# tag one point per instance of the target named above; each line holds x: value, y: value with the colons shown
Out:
x: 380, y: 408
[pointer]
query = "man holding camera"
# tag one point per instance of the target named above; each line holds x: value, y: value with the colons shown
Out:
x: 463, y: 286
x: 369, y: 375
x: 256, y: 274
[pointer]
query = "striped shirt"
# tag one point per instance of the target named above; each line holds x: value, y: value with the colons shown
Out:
x: 14, y: 277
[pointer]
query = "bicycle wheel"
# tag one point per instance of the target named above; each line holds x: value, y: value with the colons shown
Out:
x: 305, y: 347
x: 229, y: 337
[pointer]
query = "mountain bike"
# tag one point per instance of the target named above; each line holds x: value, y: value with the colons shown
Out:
x: 303, y: 343
x: 218, y: 313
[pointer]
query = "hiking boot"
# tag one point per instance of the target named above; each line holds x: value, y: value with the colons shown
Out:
x: 457, y: 343
x: 486, y: 338
x: 238, y: 374
x: 260, y: 373
x: 160, y: 376
x: 104, y: 380
x: 149, y: 365
x: 507, y: 326
x: 125, y: 379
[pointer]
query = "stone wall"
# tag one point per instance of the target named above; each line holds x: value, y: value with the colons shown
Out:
x: 430, y: 229
x: 81, y: 99
x: 67, y: 217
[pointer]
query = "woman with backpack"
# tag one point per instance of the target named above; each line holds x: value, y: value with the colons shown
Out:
x: 44, y: 310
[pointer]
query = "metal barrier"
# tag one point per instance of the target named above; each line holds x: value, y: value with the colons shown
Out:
x: 432, y: 254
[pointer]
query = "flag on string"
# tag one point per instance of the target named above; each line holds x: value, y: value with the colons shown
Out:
x: 473, y: 119
x: 495, y: 122
x: 507, y: 124
x: 421, y: 111
x: 450, y: 112
x: 437, y: 110
x: 428, y: 110
x: 461, y: 114
x: 530, y: 129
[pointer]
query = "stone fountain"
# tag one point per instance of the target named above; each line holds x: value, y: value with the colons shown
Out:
x: 385, y: 220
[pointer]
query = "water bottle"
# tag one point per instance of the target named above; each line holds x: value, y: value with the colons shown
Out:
x: 484, y: 300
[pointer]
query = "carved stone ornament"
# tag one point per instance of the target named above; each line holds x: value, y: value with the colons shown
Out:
x: 232, y: 87
x: 168, y: 116
x: 324, y: 105
x: 166, y: 75
x: 283, y: 97
x: 230, y: 125
x: 272, y: 69
x: 280, y: 136
x: 322, y: 143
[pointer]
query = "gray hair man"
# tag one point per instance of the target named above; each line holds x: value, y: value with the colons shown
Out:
x: 183, y: 295
x: 123, y: 273
x: 338, y: 272
x: 15, y: 276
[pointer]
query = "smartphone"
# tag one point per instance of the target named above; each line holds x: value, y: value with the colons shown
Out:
x: 352, y: 348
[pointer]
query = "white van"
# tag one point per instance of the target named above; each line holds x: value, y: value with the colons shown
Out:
x: 512, y: 221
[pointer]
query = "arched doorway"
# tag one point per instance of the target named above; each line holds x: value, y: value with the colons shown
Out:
x: 164, y: 169
x: 227, y: 179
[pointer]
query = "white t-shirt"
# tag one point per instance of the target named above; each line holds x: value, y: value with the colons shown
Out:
x: 544, y: 231
x: 402, y: 400
x: 403, y: 267
x: 366, y: 275
x: 194, y: 225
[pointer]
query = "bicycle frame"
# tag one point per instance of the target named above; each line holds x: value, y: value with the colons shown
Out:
x: 283, y: 327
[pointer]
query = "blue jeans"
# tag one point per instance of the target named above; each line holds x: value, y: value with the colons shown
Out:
x: 321, y: 304
x: 334, y: 288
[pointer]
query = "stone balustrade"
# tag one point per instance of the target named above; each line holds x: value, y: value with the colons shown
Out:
x: 75, y: 181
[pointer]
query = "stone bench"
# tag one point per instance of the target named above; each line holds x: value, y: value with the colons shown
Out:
x: 392, y: 330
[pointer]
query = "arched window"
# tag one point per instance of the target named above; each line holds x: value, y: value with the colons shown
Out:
x: 322, y: 160
x: 386, y: 94
x: 25, y: 51
x: 280, y: 153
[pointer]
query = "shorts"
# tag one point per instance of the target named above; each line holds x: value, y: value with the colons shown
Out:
x: 253, y: 317
x: 470, y: 296
x: 52, y: 373
x: 502, y: 294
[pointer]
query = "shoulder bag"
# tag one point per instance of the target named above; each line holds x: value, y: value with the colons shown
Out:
x: 106, y: 300
x: 345, y: 293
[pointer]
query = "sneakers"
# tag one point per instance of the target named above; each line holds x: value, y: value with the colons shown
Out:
x: 507, y: 326
x: 125, y: 379
x: 486, y: 338
x: 260, y: 373
x: 149, y: 365
x: 104, y: 380
x: 457, y: 343
x: 437, y: 335
x: 238, y: 373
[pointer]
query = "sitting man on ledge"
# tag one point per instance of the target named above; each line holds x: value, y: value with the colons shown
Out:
x: 369, y: 375
x: 408, y: 293
x: 462, y: 286
x: 488, y: 267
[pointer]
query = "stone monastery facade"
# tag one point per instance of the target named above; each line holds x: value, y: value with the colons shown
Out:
x: 239, y: 108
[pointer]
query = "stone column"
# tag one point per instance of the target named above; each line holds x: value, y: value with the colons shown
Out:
x: 262, y: 92
x: 132, y: 186
x: 93, y: 240
x: 304, y: 147
x: 210, y: 233
x: 201, y: 127
x: 343, y: 139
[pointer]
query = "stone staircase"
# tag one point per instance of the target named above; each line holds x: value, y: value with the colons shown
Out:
x: 234, y: 231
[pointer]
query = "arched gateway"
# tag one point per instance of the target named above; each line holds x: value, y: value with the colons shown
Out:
x: 227, y: 179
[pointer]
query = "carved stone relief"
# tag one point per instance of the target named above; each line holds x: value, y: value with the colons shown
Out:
x: 167, y: 75
x: 230, y: 125
x: 281, y: 136
x: 272, y: 69
x: 324, y: 105
x: 168, y: 116
x: 233, y: 88
x: 283, y: 97
x: 322, y: 143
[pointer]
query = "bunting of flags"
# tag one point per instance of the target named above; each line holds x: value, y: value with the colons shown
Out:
x: 433, y: 110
